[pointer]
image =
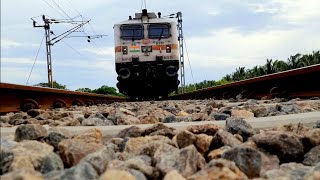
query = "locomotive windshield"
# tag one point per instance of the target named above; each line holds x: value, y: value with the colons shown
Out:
x: 132, y: 32
x: 159, y: 31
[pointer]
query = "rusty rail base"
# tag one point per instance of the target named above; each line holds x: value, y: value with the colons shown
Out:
x: 302, y: 83
x: 297, y: 83
x: 15, y: 98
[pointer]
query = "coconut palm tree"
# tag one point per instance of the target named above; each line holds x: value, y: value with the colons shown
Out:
x: 293, y: 61
x: 280, y: 66
x: 227, y: 78
x: 269, y: 68
x: 240, y: 74
x: 316, y: 57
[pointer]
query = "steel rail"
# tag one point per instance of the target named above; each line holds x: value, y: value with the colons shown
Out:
x: 15, y: 98
x: 301, y: 82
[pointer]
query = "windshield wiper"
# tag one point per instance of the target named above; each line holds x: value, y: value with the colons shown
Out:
x: 132, y: 35
x: 161, y: 34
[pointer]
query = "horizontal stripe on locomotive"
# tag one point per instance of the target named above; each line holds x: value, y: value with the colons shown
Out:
x: 121, y: 59
x: 154, y: 47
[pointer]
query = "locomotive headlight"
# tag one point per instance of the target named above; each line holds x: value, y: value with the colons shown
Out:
x: 168, y: 48
x: 171, y: 71
x: 124, y: 49
x: 124, y: 73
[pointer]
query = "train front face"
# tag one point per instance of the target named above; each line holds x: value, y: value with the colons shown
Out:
x: 147, y: 56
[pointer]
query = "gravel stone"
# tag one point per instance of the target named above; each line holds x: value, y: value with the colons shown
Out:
x: 54, y: 139
x: 30, y: 132
x: 312, y: 157
x: 247, y: 159
x: 287, y: 146
x: 239, y: 126
x: 220, y: 116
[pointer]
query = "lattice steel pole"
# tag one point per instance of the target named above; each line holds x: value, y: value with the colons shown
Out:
x: 46, y: 27
x: 181, y: 50
x: 48, y: 50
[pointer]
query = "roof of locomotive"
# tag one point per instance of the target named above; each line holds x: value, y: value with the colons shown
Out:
x: 158, y: 20
x: 152, y: 18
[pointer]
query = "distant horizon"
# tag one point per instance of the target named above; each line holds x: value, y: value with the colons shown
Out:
x: 220, y: 37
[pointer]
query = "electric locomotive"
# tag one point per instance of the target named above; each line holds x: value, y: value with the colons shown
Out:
x: 146, y: 56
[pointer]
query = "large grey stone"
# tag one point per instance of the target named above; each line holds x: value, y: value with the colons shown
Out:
x: 132, y: 131
x: 312, y: 157
x: 287, y: 146
x: 247, y: 159
x: 51, y: 163
x: 6, y: 158
x: 220, y: 116
x: 186, y: 161
x: 54, y: 139
x: 30, y: 132
x: 96, y: 122
x: 100, y: 159
x: 224, y: 138
x: 239, y: 126
x: 82, y: 171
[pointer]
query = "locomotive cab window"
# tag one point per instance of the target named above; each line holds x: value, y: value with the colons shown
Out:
x: 132, y: 32
x: 159, y: 31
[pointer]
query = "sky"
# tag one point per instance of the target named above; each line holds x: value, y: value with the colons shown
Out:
x: 220, y: 36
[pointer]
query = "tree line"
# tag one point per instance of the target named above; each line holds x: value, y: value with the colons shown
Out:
x: 271, y: 66
x: 101, y: 90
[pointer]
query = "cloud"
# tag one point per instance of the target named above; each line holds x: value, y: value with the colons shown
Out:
x: 6, y: 44
x: 22, y: 60
x: 264, y: 8
x: 230, y: 48
x: 18, y: 75
x: 213, y: 12
x: 290, y: 11
x: 104, y: 51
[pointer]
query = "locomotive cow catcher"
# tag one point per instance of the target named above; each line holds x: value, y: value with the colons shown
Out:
x: 147, y: 56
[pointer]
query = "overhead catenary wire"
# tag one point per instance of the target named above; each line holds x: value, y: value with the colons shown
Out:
x: 54, y: 8
x: 61, y: 36
x: 35, y: 59
x: 187, y: 52
x: 96, y: 46
x: 145, y: 4
x: 63, y: 14
x: 100, y: 51
x: 60, y: 9
x: 74, y: 8
x: 73, y: 49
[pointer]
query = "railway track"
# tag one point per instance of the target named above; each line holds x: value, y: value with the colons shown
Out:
x: 298, y: 83
x: 15, y: 98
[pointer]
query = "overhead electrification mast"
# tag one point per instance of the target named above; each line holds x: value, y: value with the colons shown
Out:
x: 50, y: 42
x: 178, y: 15
x: 181, y: 50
